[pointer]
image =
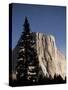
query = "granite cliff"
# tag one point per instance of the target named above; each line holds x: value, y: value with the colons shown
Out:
x: 51, y: 61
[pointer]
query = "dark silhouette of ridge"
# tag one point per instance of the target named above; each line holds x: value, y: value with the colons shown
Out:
x: 44, y: 81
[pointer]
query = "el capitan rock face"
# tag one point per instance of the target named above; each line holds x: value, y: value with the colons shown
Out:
x: 51, y: 61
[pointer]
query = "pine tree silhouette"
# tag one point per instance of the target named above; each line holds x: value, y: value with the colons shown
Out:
x: 27, y: 61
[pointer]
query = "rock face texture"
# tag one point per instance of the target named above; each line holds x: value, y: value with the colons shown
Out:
x: 51, y: 61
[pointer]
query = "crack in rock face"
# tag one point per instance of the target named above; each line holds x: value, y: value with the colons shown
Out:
x: 51, y: 61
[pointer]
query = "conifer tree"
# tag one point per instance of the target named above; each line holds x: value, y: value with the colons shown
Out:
x: 27, y: 61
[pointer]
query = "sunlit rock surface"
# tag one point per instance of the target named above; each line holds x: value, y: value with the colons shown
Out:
x: 51, y: 61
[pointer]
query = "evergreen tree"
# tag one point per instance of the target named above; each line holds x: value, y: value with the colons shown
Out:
x: 27, y: 61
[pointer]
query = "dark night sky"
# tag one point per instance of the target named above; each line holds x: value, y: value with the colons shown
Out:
x: 45, y: 19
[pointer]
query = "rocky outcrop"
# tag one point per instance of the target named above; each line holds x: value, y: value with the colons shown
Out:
x: 51, y: 61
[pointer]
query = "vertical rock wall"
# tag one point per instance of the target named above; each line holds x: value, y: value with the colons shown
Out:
x: 51, y: 61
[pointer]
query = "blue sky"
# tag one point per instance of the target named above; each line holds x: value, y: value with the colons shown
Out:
x: 45, y: 19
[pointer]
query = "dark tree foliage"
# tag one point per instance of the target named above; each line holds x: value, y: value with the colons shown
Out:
x: 27, y: 62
